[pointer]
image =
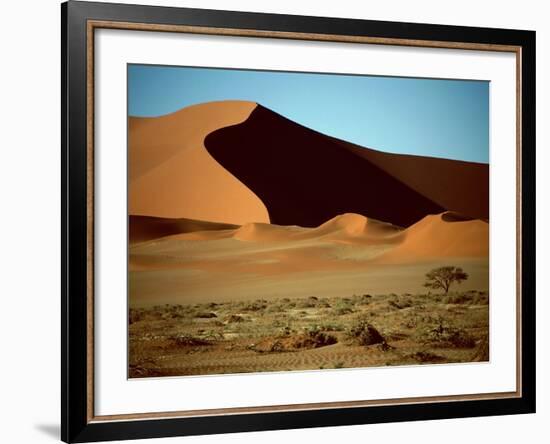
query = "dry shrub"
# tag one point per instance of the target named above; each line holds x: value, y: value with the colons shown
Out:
x: 468, y: 298
x: 312, y: 340
x: 364, y: 333
x: 399, y: 305
x: 254, y: 306
x: 231, y: 319
x: 343, y: 307
x: 275, y: 308
x: 306, y: 303
x: 206, y: 314
x: 446, y: 336
x: 309, y: 339
x: 188, y: 340
x: 363, y: 299
x: 422, y: 356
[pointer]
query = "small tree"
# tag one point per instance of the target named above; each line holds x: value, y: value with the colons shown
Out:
x: 443, y: 277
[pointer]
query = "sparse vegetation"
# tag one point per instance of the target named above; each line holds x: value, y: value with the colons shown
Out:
x: 187, y: 340
x: 308, y: 333
x: 343, y: 307
x: 447, y: 336
x: 423, y: 357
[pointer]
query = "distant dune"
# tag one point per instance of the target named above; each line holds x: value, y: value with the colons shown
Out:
x: 444, y: 235
x: 258, y: 232
x: 347, y: 254
x: 351, y: 228
x: 172, y: 175
x: 145, y: 228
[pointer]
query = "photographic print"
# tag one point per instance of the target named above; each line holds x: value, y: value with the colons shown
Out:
x: 282, y: 221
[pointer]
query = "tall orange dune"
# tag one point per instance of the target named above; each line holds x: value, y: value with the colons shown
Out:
x: 237, y: 162
x: 172, y: 175
x: 306, y: 178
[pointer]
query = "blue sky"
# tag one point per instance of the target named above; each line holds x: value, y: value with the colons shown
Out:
x: 427, y: 117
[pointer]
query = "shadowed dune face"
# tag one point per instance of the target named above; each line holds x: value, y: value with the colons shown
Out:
x: 462, y: 187
x: 306, y: 178
x: 172, y: 175
x: 451, y: 216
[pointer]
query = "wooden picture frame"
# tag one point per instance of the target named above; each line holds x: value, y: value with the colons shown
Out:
x: 80, y: 20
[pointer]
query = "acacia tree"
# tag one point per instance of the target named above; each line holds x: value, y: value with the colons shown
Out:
x: 443, y: 277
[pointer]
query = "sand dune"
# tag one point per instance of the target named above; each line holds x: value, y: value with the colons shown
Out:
x: 354, y: 228
x: 258, y: 232
x: 349, y: 227
x: 455, y: 185
x: 172, y: 175
x: 346, y: 227
x: 444, y: 235
x: 448, y: 234
x: 349, y: 253
x: 144, y: 228
x: 238, y: 162
x: 306, y: 178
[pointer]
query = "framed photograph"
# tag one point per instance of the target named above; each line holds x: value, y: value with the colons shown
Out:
x: 275, y: 221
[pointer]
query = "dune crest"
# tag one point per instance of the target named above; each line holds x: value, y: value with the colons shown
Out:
x: 172, y: 175
x: 260, y: 232
x: 357, y: 225
x: 349, y: 227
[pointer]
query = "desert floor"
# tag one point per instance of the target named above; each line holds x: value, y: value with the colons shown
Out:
x: 312, y: 333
